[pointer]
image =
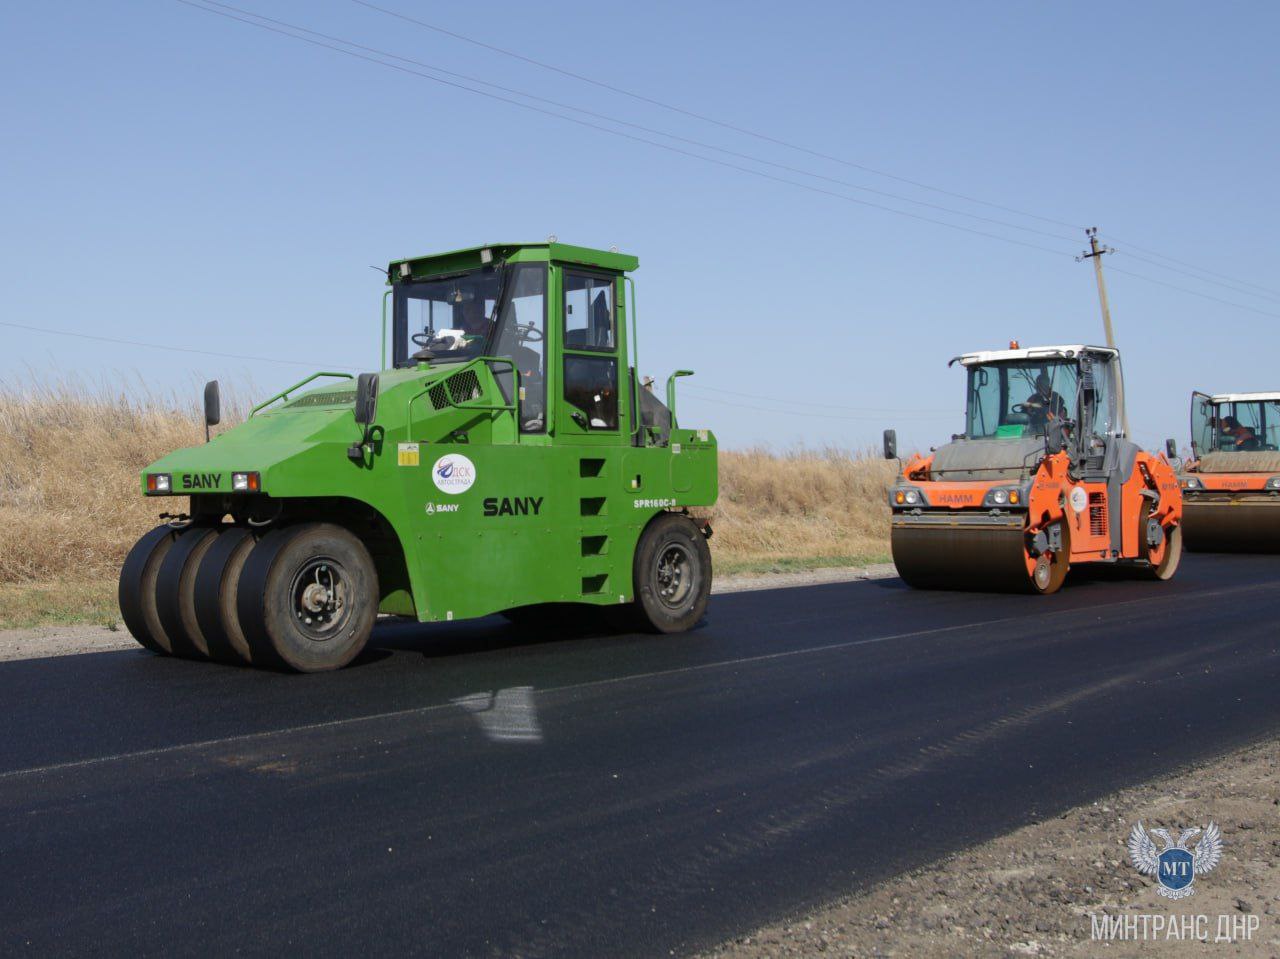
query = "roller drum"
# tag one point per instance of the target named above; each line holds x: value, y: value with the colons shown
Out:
x: 1231, y: 527
x: 984, y: 558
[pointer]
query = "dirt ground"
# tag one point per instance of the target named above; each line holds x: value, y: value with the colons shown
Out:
x: 1031, y: 892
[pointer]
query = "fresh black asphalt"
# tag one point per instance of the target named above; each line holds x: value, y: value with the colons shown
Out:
x: 477, y: 789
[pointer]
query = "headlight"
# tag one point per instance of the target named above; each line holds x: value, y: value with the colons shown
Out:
x: 245, y: 482
x: 1003, y: 496
x: 1191, y: 482
x: 1273, y: 483
x: 906, y: 497
x: 159, y: 482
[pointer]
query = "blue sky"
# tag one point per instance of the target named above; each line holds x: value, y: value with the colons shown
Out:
x: 178, y: 177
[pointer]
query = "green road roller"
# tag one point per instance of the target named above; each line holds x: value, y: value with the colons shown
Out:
x: 505, y: 459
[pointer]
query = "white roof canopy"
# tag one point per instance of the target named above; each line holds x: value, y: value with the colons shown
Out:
x: 1244, y: 397
x: 1031, y: 353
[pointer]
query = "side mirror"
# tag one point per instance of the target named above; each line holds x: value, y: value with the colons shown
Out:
x: 891, y: 444
x: 1055, y: 440
x: 212, y: 407
x: 1171, y: 448
x: 366, y: 398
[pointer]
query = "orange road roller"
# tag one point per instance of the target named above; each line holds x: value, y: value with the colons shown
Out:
x: 1042, y: 479
x: 1231, y: 482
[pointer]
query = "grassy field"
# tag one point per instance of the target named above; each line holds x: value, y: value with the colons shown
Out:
x: 70, y: 507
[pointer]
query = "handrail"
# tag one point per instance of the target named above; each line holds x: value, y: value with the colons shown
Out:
x: 443, y: 382
x: 671, y: 393
x: 284, y: 394
x: 383, y: 360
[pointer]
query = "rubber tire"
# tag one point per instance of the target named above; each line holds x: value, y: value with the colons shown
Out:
x: 136, y: 593
x: 265, y: 608
x: 652, y: 613
x: 215, y: 595
x: 174, y: 605
x: 1173, y: 546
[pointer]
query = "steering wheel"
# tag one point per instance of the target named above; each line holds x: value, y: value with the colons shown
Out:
x: 422, y: 339
x: 1022, y: 408
x: 528, y: 333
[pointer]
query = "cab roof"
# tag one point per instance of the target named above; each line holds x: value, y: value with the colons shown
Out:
x: 1032, y: 353
x: 473, y: 256
x: 1244, y: 397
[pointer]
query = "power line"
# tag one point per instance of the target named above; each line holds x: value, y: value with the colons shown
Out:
x: 630, y: 136
x: 813, y: 403
x: 814, y: 413
x: 1202, y: 279
x: 611, y: 118
x: 708, y: 119
x: 172, y: 349
x: 1183, y: 289
x: 593, y: 126
x: 1115, y: 239
x: 792, y: 146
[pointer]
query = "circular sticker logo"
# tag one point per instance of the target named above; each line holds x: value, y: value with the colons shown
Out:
x: 453, y: 473
x: 1079, y: 498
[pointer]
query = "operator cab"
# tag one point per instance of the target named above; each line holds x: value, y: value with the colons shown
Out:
x: 495, y: 310
x: 1017, y: 394
x: 1235, y: 423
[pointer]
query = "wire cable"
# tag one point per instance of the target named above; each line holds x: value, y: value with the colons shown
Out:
x: 783, y: 143
x: 708, y: 119
x: 809, y: 404
x: 1183, y: 289
x: 1184, y: 263
x: 812, y: 413
x: 593, y: 126
x: 174, y: 349
x: 1201, y: 279
x: 638, y: 126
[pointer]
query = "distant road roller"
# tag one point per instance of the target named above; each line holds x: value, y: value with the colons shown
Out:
x: 1231, y: 482
x: 1041, y: 479
x: 504, y: 458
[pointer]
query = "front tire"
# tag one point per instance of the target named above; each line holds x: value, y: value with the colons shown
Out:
x: 137, y: 590
x: 215, y: 595
x: 175, y: 604
x: 672, y: 574
x: 307, y: 598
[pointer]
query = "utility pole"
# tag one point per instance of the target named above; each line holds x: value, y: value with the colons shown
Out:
x: 1095, y: 253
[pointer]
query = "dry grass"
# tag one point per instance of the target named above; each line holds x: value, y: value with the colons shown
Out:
x: 70, y: 506
x: 801, y: 509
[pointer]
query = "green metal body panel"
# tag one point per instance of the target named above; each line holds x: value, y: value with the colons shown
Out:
x: 521, y: 518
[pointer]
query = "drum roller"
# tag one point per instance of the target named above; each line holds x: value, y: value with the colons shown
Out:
x: 964, y: 556
x: 1231, y: 526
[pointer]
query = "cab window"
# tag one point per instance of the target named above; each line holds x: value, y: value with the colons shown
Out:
x: 521, y: 338
x: 591, y: 387
x: 588, y: 312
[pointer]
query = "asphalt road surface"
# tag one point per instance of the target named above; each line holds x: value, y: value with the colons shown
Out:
x: 475, y: 789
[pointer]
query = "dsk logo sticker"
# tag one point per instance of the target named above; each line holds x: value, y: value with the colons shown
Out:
x: 453, y: 473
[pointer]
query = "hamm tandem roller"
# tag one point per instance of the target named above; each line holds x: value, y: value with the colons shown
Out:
x: 505, y: 458
x: 1040, y: 480
x: 1231, y: 484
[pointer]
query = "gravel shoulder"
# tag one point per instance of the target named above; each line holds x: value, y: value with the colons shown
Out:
x: 1032, y: 892
x: 40, y: 641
